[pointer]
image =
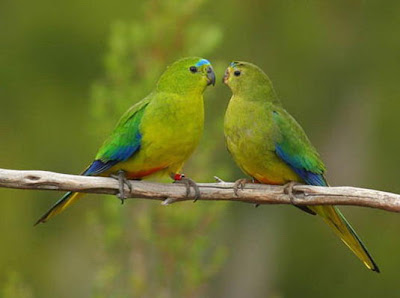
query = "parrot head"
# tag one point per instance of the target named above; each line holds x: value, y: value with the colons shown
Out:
x: 187, y: 75
x: 247, y: 78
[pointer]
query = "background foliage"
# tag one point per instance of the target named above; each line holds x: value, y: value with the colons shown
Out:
x: 69, y: 69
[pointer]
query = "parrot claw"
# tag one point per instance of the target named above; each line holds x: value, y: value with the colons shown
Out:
x: 180, y: 178
x: 240, y: 184
x: 288, y: 189
x: 120, y: 176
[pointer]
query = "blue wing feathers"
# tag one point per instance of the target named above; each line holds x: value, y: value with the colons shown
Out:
x: 299, y: 165
x: 310, y: 177
x: 121, y: 154
x: 124, y: 152
x: 98, y: 167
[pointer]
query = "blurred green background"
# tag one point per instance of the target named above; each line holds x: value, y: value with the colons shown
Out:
x: 69, y: 69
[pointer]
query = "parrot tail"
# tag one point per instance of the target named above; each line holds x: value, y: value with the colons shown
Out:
x: 335, y: 219
x: 60, y: 206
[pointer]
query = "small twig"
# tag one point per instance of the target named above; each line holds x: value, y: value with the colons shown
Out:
x: 221, y: 191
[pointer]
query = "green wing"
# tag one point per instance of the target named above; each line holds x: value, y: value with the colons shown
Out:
x: 123, y: 143
x: 295, y: 149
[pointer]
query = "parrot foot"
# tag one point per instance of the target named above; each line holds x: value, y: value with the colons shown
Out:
x: 180, y: 178
x: 240, y: 184
x: 120, y: 176
x: 288, y: 189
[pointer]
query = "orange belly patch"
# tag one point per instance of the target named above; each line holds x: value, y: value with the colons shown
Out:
x: 144, y: 173
x: 269, y: 181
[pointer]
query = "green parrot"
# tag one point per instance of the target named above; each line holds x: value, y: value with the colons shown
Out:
x: 270, y: 146
x: 155, y: 136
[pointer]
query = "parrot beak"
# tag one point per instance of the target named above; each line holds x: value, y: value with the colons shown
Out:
x: 210, y: 76
x: 226, y: 76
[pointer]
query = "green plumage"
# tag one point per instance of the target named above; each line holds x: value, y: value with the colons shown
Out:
x: 270, y: 146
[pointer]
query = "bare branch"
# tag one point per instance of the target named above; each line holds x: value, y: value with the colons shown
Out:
x: 221, y: 191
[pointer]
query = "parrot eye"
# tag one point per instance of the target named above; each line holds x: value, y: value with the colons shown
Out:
x: 237, y: 73
x: 193, y: 69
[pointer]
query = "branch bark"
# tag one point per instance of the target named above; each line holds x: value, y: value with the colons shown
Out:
x: 221, y: 191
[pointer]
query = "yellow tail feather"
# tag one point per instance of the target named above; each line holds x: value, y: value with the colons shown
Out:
x: 335, y: 219
x: 60, y: 206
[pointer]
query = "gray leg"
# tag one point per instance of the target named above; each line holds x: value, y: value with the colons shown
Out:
x: 120, y: 176
x: 288, y: 189
x: 180, y: 178
x: 240, y: 184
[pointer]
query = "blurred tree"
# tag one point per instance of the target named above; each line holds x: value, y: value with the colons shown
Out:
x: 15, y: 287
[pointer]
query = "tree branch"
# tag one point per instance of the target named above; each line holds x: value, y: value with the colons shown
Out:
x: 221, y: 191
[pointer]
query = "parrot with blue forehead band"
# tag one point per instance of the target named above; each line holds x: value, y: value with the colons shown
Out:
x: 156, y: 135
x: 270, y: 146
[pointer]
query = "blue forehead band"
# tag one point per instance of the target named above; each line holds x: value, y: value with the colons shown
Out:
x: 233, y: 64
x: 203, y: 62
